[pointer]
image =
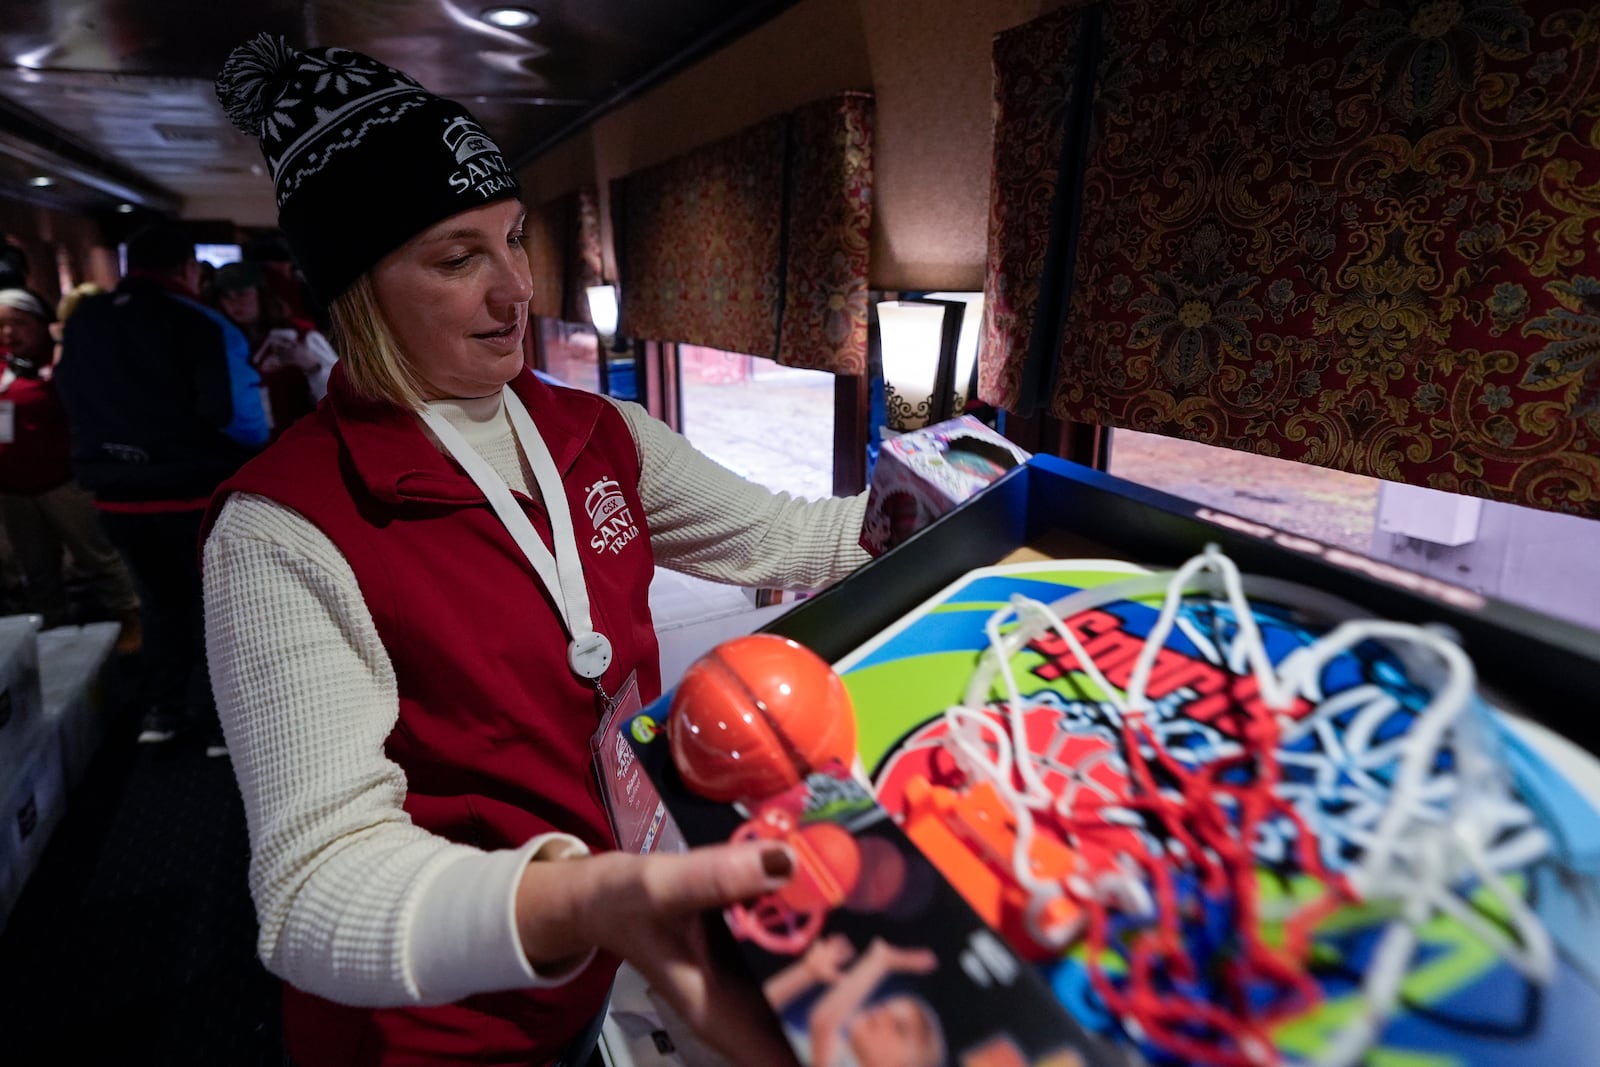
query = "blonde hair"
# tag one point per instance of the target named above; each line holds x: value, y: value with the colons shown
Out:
x: 373, y: 360
x: 73, y: 297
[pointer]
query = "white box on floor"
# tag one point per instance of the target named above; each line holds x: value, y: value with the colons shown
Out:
x: 75, y: 683
x: 20, y: 699
x: 30, y: 809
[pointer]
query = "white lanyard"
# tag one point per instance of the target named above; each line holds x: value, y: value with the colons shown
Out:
x: 588, y: 652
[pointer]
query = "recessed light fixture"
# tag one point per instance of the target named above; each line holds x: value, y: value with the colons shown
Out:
x: 125, y: 209
x: 41, y: 181
x: 509, y: 18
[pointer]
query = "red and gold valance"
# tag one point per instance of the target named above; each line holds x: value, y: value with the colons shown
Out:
x: 756, y: 243
x: 1343, y: 232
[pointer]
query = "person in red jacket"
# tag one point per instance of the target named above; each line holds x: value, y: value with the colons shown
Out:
x: 425, y: 598
x: 46, y: 511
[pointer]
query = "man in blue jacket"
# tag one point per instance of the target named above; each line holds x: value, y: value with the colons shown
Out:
x: 163, y: 406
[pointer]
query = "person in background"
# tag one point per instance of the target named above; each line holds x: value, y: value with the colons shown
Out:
x: 45, y: 510
x: 269, y: 250
x: 163, y: 406
x: 13, y: 588
x: 292, y: 357
x: 69, y: 303
x: 66, y: 306
x: 423, y: 600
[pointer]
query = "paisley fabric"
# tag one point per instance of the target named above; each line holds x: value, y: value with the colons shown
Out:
x: 757, y: 243
x: 1355, y: 233
x: 1035, y: 70
x: 562, y: 237
x: 829, y: 223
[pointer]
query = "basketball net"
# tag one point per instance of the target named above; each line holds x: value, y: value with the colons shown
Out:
x: 1414, y: 826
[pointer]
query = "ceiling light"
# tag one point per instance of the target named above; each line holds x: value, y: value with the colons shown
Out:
x: 509, y: 18
x: 125, y: 209
x: 41, y: 182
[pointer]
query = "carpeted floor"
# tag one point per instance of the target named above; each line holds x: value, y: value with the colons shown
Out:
x: 133, y: 942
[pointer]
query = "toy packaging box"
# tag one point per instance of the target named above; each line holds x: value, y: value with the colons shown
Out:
x: 895, y: 934
x: 869, y: 955
x: 926, y: 473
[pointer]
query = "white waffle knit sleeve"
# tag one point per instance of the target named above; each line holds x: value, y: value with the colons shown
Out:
x: 709, y: 522
x: 355, y: 903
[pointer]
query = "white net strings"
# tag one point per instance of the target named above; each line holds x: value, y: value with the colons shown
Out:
x: 1418, y: 850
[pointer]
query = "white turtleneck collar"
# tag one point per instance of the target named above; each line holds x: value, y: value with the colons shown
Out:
x: 483, y: 421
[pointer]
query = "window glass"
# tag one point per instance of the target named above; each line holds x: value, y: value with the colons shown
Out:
x: 1538, y: 559
x: 768, y: 423
x: 571, y: 353
x: 1329, y: 505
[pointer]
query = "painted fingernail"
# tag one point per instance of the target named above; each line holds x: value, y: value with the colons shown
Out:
x: 776, y: 862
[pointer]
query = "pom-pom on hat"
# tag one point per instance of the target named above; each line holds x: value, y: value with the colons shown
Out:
x: 362, y: 157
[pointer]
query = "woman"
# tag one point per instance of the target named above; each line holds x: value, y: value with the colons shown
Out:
x: 46, y: 511
x: 293, y: 359
x: 421, y: 599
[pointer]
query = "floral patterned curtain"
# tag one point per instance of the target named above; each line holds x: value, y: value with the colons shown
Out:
x: 757, y: 243
x: 1355, y: 233
x: 562, y: 237
x: 1036, y: 91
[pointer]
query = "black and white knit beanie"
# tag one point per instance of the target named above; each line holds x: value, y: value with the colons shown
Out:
x: 363, y: 158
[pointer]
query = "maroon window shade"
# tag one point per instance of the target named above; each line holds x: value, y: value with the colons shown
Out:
x: 1036, y: 94
x: 562, y: 238
x: 1344, y: 233
x: 541, y: 238
x: 756, y: 243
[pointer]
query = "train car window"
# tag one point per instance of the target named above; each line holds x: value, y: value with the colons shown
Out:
x: 571, y: 353
x: 1538, y: 559
x: 766, y: 422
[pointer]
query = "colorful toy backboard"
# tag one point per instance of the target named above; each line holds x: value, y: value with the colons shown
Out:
x: 1460, y: 1002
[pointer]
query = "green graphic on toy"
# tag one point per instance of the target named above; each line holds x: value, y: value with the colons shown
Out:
x: 909, y: 674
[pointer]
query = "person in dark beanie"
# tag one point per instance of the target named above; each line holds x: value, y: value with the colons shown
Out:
x: 163, y: 406
x: 46, y: 511
x: 423, y: 599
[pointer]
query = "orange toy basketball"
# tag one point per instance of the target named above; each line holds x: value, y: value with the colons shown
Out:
x: 755, y: 715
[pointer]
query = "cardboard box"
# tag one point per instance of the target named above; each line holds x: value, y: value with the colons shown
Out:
x: 76, y: 682
x: 21, y: 703
x: 30, y: 809
x: 927, y: 473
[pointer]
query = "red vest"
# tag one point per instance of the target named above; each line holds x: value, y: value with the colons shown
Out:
x: 36, y: 459
x: 494, y: 728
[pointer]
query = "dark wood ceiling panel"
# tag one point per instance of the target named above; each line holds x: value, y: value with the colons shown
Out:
x: 129, y: 81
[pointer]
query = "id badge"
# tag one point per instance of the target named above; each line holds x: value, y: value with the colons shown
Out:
x: 8, y: 422
x: 639, y: 819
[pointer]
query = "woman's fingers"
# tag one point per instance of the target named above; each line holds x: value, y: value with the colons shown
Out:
x: 717, y: 876
x: 652, y: 910
x: 709, y: 990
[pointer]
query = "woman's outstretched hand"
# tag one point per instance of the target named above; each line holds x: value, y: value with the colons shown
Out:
x: 650, y: 911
